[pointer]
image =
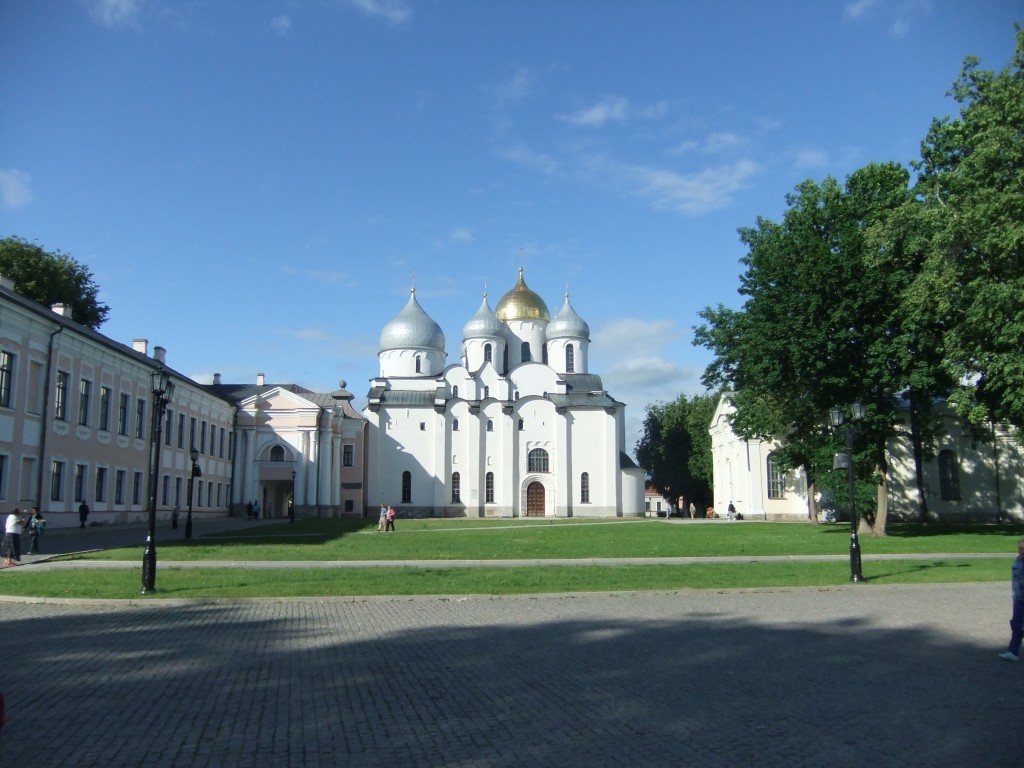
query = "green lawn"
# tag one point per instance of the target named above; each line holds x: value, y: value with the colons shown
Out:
x: 575, y: 538
x: 489, y: 540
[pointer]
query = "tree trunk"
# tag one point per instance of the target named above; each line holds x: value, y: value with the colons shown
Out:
x: 813, y: 512
x: 915, y: 439
x: 882, y: 504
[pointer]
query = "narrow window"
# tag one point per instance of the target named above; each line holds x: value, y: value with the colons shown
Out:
x: 570, y: 359
x: 84, y: 396
x: 80, y: 472
x: 418, y: 364
x: 487, y: 392
x: 140, y: 418
x: 525, y: 355
x: 776, y: 478
x: 490, y: 425
x: 6, y: 378
x: 520, y: 425
x: 455, y: 391
x: 122, y: 415
x: 119, y: 487
x: 168, y: 424
x: 181, y: 430
x: 487, y: 353
x: 455, y: 425
x: 277, y: 453
x: 949, y: 476
x: 60, y: 404
x: 101, y: 484
x: 585, y: 488
x: 456, y: 482
x: 348, y: 455
x: 407, y: 487
x: 489, y: 488
x: 105, y: 400
x: 137, y: 488
x: 57, y: 481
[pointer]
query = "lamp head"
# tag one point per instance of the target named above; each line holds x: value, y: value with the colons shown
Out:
x: 835, y: 416
x: 194, y: 454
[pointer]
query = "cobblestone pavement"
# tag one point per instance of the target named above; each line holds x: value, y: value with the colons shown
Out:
x: 856, y: 675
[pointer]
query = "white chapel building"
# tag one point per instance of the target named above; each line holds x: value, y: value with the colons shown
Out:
x: 518, y: 427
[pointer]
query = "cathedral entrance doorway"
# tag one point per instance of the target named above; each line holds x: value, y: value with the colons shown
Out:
x: 535, y: 499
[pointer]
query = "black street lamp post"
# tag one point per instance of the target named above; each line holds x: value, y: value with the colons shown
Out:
x: 162, y: 387
x: 857, y: 411
x: 194, y: 455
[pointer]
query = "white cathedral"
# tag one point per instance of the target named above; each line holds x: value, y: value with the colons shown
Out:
x: 519, y: 427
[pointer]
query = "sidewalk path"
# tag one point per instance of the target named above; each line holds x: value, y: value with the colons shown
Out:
x: 791, y: 678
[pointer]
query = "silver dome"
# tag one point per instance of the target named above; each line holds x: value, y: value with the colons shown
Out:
x: 483, y: 324
x: 412, y: 328
x: 567, y: 324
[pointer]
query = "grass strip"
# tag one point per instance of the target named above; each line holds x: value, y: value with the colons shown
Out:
x: 315, y: 582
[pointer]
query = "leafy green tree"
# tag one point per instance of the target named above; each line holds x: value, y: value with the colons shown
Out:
x: 822, y: 323
x: 972, y: 182
x: 52, y: 278
x: 675, y: 449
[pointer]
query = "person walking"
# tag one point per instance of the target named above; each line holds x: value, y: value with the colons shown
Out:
x: 1012, y: 652
x: 382, y: 523
x: 175, y: 514
x: 11, y: 545
x: 83, y: 514
x: 36, y: 526
x: 390, y: 526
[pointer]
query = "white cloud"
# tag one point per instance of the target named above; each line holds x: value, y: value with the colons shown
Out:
x: 810, y: 157
x: 116, y: 13
x: 643, y: 338
x: 515, y: 89
x: 308, y: 334
x: 461, y: 235
x: 522, y: 155
x: 857, y: 8
x: 281, y: 25
x: 692, y: 194
x: 15, y: 188
x: 392, y: 11
x: 721, y: 142
x: 612, y: 108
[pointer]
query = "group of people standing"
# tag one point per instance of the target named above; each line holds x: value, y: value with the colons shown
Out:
x: 387, y: 518
x: 34, y: 523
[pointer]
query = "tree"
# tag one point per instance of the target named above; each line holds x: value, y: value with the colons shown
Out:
x: 675, y: 449
x: 52, y: 278
x: 823, y: 323
x: 972, y: 183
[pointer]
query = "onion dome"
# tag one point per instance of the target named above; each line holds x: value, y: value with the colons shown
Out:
x: 483, y: 324
x: 567, y: 324
x: 522, y: 304
x: 412, y: 328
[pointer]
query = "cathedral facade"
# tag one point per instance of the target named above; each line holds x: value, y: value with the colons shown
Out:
x: 518, y: 427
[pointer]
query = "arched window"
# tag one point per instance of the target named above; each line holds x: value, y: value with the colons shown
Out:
x: 455, y: 391
x: 776, y: 478
x: 570, y: 359
x: 489, y: 488
x: 487, y: 353
x: 949, y: 476
x: 277, y: 453
x: 407, y: 487
x: 456, y: 482
x: 520, y: 425
x: 526, y: 356
x: 418, y: 360
x: 455, y: 425
x: 537, y: 461
x: 585, y: 488
x: 490, y: 425
x: 487, y: 391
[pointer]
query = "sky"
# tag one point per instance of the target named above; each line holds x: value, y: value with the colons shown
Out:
x: 257, y: 186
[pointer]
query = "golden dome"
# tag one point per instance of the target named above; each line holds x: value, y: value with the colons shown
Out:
x: 522, y: 304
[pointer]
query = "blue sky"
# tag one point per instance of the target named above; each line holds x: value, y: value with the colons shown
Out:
x: 256, y: 185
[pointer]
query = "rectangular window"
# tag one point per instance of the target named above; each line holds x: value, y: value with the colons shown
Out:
x: 122, y: 415
x: 6, y: 378
x: 101, y: 484
x: 192, y: 433
x: 348, y: 455
x: 36, y: 387
x: 84, y: 397
x: 140, y: 418
x: 181, y: 430
x: 349, y: 505
x: 137, y: 488
x: 81, y: 471
x: 60, y: 404
x: 202, y: 437
x: 57, y: 481
x: 119, y: 479
x: 213, y: 439
x: 776, y: 479
x: 168, y: 423
x: 489, y: 488
x: 165, y: 493
x: 177, y: 491
x: 105, y: 399
x: 222, y: 442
